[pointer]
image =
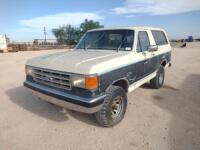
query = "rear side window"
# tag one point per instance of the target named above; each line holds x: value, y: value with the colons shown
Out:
x: 159, y: 38
x: 143, y: 41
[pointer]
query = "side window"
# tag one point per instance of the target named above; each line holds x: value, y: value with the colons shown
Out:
x: 143, y: 41
x: 159, y: 37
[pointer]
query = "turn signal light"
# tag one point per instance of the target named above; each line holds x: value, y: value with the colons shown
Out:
x: 91, y: 82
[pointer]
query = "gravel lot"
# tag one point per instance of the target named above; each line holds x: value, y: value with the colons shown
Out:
x: 164, y: 119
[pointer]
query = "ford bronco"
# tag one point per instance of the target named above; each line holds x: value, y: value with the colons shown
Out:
x: 97, y: 74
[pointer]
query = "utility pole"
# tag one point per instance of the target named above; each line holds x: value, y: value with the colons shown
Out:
x: 45, y: 35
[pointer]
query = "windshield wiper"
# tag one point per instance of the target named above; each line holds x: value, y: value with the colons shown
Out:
x: 119, y: 47
x: 84, y: 45
x: 122, y: 42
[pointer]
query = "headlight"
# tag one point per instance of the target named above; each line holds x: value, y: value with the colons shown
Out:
x: 88, y: 82
x: 29, y: 70
x: 78, y: 81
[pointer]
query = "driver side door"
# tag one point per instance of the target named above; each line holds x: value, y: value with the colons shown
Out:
x: 143, y: 44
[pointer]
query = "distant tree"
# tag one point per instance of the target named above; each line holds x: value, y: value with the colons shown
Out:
x: 89, y: 24
x: 70, y: 35
x: 59, y: 34
x: 67, y: 34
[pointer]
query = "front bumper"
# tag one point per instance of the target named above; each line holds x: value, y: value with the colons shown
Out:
x: 73, y: 102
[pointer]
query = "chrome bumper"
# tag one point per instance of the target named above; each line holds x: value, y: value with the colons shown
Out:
x: 65, y: 100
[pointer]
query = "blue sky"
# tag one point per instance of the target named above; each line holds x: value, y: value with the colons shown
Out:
x: 23, y: 20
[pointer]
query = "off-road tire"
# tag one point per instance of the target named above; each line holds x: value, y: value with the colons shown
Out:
x: 158, y: 81
x: 105, y: 115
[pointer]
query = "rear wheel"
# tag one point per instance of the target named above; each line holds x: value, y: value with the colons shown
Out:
x: 114, y: 107
x: 158, y: 81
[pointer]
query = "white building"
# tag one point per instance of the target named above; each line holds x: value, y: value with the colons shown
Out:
x: 3, y: 43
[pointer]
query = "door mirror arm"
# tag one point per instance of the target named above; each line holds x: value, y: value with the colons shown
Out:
x: 153, y: 48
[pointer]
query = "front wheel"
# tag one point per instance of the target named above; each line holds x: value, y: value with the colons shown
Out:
x: 158, y: 81
x: 114, y: 107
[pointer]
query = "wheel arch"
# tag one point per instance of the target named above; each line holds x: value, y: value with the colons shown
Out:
x: 123, y: 83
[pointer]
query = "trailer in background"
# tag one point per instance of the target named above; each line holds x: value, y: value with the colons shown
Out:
x: 3, y: 43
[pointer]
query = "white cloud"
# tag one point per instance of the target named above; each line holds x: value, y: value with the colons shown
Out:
x: 157, y: 7
x: 55, y: 20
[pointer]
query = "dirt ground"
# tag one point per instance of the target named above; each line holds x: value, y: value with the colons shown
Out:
x: 164, y: 119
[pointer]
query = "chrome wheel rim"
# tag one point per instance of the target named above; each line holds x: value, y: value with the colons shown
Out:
x: 117, y: 106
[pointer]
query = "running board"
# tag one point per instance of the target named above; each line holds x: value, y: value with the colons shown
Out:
x: 137, y: 84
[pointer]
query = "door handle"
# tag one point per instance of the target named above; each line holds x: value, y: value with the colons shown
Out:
x: 144, y: 53
x: 146, y: 62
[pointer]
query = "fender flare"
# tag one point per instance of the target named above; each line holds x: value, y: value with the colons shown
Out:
x: 124, y: 79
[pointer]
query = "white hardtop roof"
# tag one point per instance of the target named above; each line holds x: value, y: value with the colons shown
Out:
x: 127, y: 28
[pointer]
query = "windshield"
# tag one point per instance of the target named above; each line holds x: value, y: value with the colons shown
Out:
x: 107, y: 40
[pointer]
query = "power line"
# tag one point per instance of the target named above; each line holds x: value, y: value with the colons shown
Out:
x: 45, y: 35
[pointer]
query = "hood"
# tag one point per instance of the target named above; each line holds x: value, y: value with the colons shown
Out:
x: 79, y: 61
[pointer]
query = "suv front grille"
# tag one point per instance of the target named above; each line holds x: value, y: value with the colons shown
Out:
x: 52, y: 78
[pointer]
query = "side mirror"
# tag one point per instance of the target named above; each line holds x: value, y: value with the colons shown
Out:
x: 153, y: 48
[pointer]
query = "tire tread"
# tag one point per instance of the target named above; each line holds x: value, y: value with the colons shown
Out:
x: 101, y: 115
